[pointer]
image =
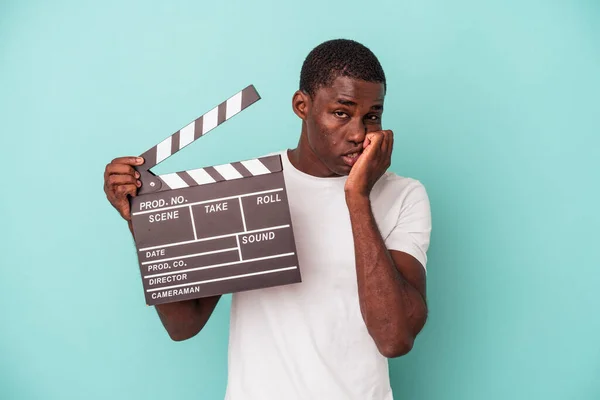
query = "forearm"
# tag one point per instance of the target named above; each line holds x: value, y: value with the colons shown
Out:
x: 393, y: 310
x: 184, y: 319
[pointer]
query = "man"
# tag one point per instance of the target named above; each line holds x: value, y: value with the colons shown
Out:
x: 361, y: 235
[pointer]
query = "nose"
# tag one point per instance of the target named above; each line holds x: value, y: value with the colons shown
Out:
x: 357, y: 131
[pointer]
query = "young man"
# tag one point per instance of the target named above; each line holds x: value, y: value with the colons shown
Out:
x: 361, y: 234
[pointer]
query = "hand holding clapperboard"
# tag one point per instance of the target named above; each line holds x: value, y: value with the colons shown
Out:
x: 212, y: 230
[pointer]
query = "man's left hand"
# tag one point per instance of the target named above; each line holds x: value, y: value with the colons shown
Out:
x: 371, y: 165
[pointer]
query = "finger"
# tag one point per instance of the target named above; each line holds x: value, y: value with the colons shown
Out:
x: 124, y: 169
x: 128, y: 160
x: 122, y: 203
x: 117, y: 166
x: 124, y: 208
x: 124, y: 190
x: 375, y: 139
x: 128, y: 190
x: 116, y: 180
x: 387, y: 151
x: 385, y: 143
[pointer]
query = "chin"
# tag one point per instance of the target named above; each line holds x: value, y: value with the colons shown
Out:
x: 341, y: 170
x: 335, y: 167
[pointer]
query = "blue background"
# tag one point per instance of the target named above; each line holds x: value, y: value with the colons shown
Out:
x: 495, y: 107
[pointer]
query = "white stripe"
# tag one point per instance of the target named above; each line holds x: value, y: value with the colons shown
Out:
x: 208, y: 201
x: 256, y: 167
x: 173, y: 181
x: 200, y: 176
x: 191, y: 255
x: 237, y: 239
x: 223, y: 279
x: 210, y: 119
x: 243, y: 215
x: 213, y: 237
x: 193, y: 223
x: 234, y: 105
x: 228, y: 172
x: 186, y: 135
x: 163, y: 149
x: 220, y: 265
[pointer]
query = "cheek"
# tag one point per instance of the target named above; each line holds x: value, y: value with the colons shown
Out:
x: 323, y: 135
x: 330, y: 140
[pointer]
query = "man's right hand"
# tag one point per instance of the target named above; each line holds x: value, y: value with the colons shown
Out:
x: 121, y: 181
x: 182, y: 319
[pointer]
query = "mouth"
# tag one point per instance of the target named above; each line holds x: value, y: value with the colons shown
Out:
x: 351, y: 158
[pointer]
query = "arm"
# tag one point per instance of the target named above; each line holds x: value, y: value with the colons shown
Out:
x: 183, y: 319
x: 391, y: 284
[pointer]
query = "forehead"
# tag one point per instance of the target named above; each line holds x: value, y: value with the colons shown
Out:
x: 344, y: 87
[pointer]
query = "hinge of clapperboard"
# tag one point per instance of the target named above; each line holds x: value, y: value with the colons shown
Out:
x: 152, y: 183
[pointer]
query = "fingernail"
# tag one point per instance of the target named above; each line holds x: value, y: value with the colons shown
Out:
x: 140, y: 160
x: 137, y: 174
x: 139, y: 183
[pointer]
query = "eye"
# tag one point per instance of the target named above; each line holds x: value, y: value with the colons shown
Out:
x: 340, y: 114
x: 373, y: 118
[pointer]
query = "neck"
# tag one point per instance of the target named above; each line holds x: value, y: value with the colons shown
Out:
x: 304, y: 159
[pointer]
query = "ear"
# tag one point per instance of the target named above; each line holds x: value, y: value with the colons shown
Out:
x: 301, y: 103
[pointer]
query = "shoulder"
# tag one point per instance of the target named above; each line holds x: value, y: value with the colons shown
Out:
x: 400, y: 188
x: 401, y: 208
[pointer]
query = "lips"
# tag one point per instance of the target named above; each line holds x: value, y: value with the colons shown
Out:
x: 351, y: 158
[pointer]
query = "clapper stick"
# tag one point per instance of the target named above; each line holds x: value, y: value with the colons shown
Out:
x: 212, y: 230
x: 186, y: 135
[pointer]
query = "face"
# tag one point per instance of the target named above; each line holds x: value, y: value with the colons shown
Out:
x: 336, y: 120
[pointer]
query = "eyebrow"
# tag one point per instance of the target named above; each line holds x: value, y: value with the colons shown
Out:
x: 346, y: 102
x: 350, y: 103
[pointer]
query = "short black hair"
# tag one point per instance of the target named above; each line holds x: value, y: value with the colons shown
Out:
x: 339, y: 57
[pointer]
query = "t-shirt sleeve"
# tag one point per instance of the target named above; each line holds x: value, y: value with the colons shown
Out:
x: 412, y: 231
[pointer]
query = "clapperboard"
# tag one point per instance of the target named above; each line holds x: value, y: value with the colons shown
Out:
x: 213, y: 230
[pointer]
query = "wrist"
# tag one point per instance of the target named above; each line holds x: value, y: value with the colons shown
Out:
x: 356, y: 199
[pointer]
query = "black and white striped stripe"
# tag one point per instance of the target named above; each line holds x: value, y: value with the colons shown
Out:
x: 224, y: 172
x: 200, y: 126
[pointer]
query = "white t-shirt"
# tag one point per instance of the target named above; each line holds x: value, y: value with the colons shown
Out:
x: 308, y: 340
